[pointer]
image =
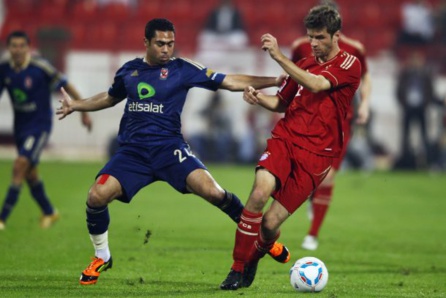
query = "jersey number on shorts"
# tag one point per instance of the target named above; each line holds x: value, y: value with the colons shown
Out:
x: 182, y: 158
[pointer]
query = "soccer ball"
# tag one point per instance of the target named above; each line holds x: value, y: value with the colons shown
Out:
x: 308, y: 274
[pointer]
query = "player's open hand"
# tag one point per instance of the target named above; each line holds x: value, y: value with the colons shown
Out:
x: 250, y: 95
x: 67, y: 105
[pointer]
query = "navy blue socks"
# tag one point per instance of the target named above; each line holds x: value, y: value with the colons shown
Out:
x: 98, y: 219
x: 232, y: 206
x: 11, y: 199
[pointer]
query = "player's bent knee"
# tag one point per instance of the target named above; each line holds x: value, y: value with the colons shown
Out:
x: 258, y: 199
x: 211, y: 193
x: 21, y: 164
x: 259, y: 194
x: 98, y: 197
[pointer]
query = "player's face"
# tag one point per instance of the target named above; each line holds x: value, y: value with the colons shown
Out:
x: 160, y: 48
x: 322, y: 43
x: 18, y: 47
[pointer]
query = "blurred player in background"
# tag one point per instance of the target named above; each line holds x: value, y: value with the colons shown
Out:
x: 152, y: 147
x: 315, y: 98
x: 29, y: 81
x: 321, y: 198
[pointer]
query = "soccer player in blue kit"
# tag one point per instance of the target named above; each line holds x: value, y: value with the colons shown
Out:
x: 152, y: 147
x: 29, y: 81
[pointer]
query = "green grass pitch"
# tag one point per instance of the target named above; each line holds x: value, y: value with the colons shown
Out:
x: 385, y: 236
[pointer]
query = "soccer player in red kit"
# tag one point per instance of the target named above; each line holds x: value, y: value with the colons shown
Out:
x: 315, y: 98
x: 321, y: 198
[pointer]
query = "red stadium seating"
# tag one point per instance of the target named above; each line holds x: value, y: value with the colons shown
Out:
x: 52, y: 11
x: 78, y: 35
x: 102, y: 36
x: 115, y: 11
x: 84, y: 11
x: 20, y: 8
x: 118, y: 27
x: 147, y: 10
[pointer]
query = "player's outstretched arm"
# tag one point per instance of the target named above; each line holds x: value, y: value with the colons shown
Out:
x: 238, y: 82
x: 365, y: 90
x: 95, y: 103
x: 314, y: 83
x: 269, y: 102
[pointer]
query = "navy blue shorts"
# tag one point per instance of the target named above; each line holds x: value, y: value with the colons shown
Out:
x: 31, y: 145
x: 136, y: 167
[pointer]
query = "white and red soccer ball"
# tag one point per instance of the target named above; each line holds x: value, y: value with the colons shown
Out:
x: 308, y: 274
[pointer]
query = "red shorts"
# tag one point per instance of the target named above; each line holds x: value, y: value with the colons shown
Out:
x: 298, y: 171
x: 337, y: 162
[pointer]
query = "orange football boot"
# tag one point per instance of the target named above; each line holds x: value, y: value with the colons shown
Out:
x: 91, y: 274
x: 280, y: 253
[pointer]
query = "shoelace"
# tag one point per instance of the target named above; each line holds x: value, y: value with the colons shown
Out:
x: 93, y: 265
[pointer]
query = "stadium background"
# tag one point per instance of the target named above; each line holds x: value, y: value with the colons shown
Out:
x: 381, y: 238
x: 89, y: 43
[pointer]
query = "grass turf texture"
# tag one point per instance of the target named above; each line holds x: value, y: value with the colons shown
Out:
x: 384, y: 237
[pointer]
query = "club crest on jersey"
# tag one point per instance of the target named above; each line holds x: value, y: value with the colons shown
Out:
x: 265, y: 155
x: 164, y: 73
x: 28, y: 82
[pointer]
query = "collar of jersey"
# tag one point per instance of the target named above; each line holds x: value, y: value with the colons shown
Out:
x: 158, y: 66
x: 334, y: 57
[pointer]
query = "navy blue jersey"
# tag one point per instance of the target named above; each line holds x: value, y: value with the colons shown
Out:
x: 30, y: 92
x: 155, y: 97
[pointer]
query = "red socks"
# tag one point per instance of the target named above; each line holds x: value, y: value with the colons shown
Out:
x: 246, y: 234
x: 321, y: 201
x: 261, y: 247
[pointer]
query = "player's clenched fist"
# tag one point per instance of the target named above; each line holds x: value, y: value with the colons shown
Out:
x: 250, y: 95
x: 269, y: 43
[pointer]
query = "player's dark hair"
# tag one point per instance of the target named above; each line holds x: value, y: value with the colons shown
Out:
x: 331, y: 3
x: 15, y: 34
x: 158, y: 25
x: 323, y: 16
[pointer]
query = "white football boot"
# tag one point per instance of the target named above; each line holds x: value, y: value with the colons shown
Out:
x: 310, y: 243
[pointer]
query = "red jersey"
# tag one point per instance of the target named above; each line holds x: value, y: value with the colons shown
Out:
x: 301, y: 48
x: 313, y: 121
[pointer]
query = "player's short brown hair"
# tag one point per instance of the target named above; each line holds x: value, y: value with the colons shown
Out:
x: 323, y: 16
